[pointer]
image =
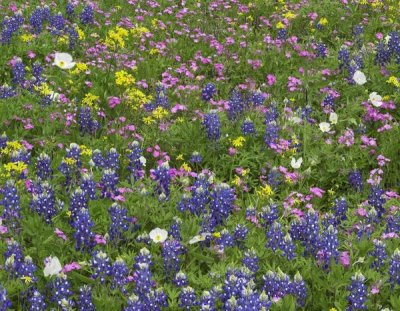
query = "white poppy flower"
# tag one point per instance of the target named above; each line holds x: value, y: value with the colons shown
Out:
x: 54, y: 96
x: 142, y: 160
x: 63, y: 61
x: 53, y: 266
x: 359, y: 77
x: 296, y: 163
x: 325, y: 127
x: 375, y: 99
x: 199, y: 238
x: 158, y: 235
x: 333, y: 118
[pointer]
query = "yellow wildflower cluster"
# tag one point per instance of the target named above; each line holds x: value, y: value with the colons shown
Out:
x: 265, y: 191
x: 16, y: 167
x: 148, y: 120
x: 136, y: 97
x: 26, y: 37
x: 394, y: 81
x: 123, y: 78
x: 280, y: 25
x: 138, y: 31
x: 289, y: 15
x: 238, y: 142
x: 63, y: 40
x: 160, y: 113
x: 43, y: 89
x: 81, y: 34
x: 69, y: 161
x: 79, y: 67
x: 116, y: 38
x: 323, y: 21
x: 90, y: 100
x: 11, y: 146
x: 186, y: 167
x: 85, y: 150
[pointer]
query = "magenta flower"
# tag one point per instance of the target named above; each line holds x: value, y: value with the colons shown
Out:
x: 113, y: 102
x: 345, y: 259
x: 100, y: 239
x: 60, y: 234
x: 71, y: 266
x: 317, y: 191
x: 271, y: 79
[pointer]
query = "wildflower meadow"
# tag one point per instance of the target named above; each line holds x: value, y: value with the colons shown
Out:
x: 236, y: 155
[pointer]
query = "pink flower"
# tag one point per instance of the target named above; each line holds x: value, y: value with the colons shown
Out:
x: 31, y: 54
x: 232, y: 151
x: 374, y: 289
x: 60, y: 234
x: 361, y: 212
x: 113, y: 102
x: 100, y: 239
x: 271, y: 79
x: 178, y: 107
x: 345, y: 259
x: 317, y: 191
x: 71, y: 266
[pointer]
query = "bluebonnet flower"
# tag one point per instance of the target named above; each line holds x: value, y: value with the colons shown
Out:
x: 328, y: 104
x: 276, y: 285
x: 311, y: 235
x: 109, y: 182
x: 180, y: 279
x: 187, y: 298
x: 7, y: 92
x: 340, y: 209
x: 69, y: 9
x: 74, y: 152
x: 13, y: 258
x: 251, y: 260
x: 83, y: 235
x: 98, y: 158
x: 87, y: 15
x: 57, y: 24
x: 306, y: 113
x: 87, y: 124
x: 207, y: 301
x: 358, y: 293
x: 73, y: 37
x: 11, y: 205
x: 277, y: 240
x: 221, y: 204
x: 44, y: 202
x: 37, y: 71
x: 355, y: 180
x: 18, y: 73
x: 10, y: 26
x: 271, y: 134
x: 344, y: 58
x: 282, y: 33
x: 36, y: 301
x: 144, y: 256
x: 5, y: 303
x: 85, y: 301
x: 111, y: 161
x: 225, y: 239
x: 101, y: 265
x: 161, y: 99
x: 382, y: 54
x: 27, y: 270
x: 119, y: 272
x: 379, y: 254
x: 88, y: 186
x: 329, y: 246
x: 247, y: 127
x: 119, y: 222
x: 175, y: 229
x: 236, y: 105
x: 134, y: 304
x: 257, y: 98
x: 392, y: 223
x: 208, y: 92
x: 322, y: 50
x: 171, y: 251
x: 163, y: 178
x: 3, y: 140
x: 196, y: 158
x: 213, y: 125
x: 61, y: 292
x: 43, y: 166
x: 376, y: 199
x: 299, y: 289
x: 38, y: 17
x: 240, y: 234
x: 269, y: 214
x: 78, y: 201
x: 394, y: 268
x: 136, y: 161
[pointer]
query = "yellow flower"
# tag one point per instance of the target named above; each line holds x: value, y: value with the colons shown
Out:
x: 62, y: 40
x: 289, y: 15
x: 393, y: 80
x: 216, y: 234
x: 80, y: 32
x: 180, y: 157
x: 323, y: 21
x: 245, y: 172
x: 85, y: 150
x: 238, y: 142
x: 148, y: 120
x: 26, y: 37
x: 154, y: 51
x: 79, y: 67
x: 265, y: 191
x: 69, y: 161
x: 43, y: 89
x: 123, y: 78
x: 89, y: 100
x: 186, y: 167
x: 288, y: 180
x: 26, y: 279
x: 332, y: 309
x: 280, y: 25
x: 236, y: 181
x: 69, y: 213
x: 160, y: 113
x: 17, y: 167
